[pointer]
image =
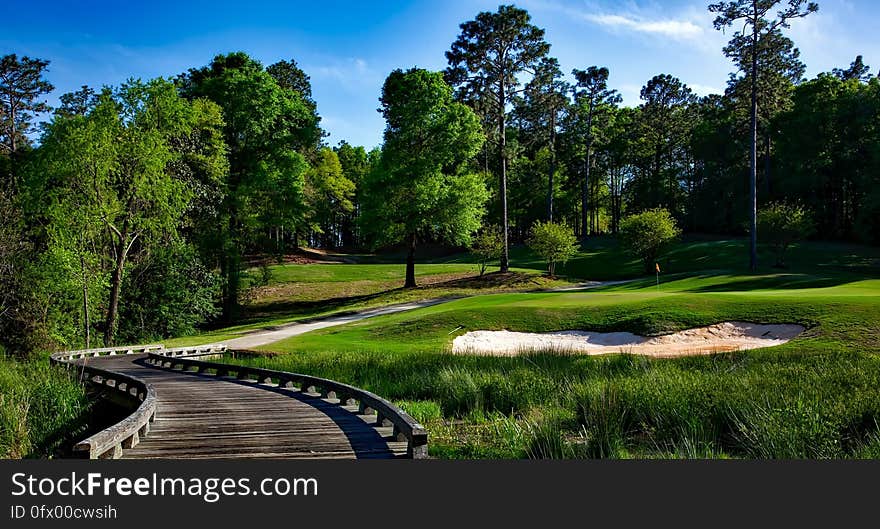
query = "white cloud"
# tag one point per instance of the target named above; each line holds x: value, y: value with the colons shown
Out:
x: 633, y: 19
x: 675, y: 29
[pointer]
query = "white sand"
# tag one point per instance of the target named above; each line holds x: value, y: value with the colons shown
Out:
x: 721, y: 337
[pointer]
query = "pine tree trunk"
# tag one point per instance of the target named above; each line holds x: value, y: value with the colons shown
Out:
x: 753, y: 155
x: 502, y: 154
x: 768, y: 188
x: 584, y: 187
x: 552, y: 165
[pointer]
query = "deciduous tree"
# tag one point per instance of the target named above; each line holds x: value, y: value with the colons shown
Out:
x: 422, y: 187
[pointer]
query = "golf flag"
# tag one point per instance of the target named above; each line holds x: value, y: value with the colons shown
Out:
x: 657, y: 265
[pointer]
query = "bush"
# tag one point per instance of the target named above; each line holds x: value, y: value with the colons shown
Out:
x: 646, y: 234
x: 554, y: 242
x: 782, y: 225
x: 169, y: 294
x: 487, y: 246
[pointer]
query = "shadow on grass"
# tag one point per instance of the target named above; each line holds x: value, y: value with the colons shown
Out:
x: 781, y: 282
x: 268, y: 311
x: 493, y: 280
x: 101, y: 412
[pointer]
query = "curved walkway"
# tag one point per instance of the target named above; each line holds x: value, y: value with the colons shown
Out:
x: 258, y: 338
x: 200, y: 417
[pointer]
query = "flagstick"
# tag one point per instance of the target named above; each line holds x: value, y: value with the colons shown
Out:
x: 658, y: 280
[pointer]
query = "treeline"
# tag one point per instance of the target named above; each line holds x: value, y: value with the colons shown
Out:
x: 138, y: 209
x: 136, y: 213
x: 573, y: 153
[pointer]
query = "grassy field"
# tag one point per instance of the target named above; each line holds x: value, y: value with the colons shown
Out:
x: 40, y: 408
x: 295, y: 292
x: 816, y: 396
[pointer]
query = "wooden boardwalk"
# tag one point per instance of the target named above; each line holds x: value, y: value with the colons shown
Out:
x: 202, y: 417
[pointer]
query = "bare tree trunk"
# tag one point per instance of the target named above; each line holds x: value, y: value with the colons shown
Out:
x: 502, y: 153
x: 586, y: 182
x: 115, y: 289
x: 753, y: 154
x: 768, y: 188
x: 411, y: 263
x: 552, y: 164
x: 85, y: 289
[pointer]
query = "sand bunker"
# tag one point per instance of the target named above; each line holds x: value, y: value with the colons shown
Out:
x: 721, y: 337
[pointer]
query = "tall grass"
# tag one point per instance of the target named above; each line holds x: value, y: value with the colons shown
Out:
x: 751, y: 404
x: 39, y: 405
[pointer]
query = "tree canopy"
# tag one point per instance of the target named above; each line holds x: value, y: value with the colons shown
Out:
x: 422, y: 186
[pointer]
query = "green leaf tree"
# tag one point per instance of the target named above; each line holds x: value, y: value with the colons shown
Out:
x: 117, y: 165
x: 329, y: 196
x: 487, y: 246
x: 784, y: 224
x: 645, y: 235
x: 421, y: 187
x: 268, y: 130
x: 554, y: 242
x: 356, y: 164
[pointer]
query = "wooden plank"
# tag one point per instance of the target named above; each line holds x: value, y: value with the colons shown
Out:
x: 202, y: 416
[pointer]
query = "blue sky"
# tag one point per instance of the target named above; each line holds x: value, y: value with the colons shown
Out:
x: 348, y: 47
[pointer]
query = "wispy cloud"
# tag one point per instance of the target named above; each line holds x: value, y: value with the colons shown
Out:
x: 350, y: 72
x: 675, y: 29
x: 631, y: 19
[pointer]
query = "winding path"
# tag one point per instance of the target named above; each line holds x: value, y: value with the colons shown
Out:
x: 201, y: 416
x: 264, y: 337
x: 190, y: 409
x: 282, y: 332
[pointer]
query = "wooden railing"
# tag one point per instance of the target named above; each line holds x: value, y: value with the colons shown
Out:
x: 69, y: 356
x: 405, y: 428
x: 110, y: 442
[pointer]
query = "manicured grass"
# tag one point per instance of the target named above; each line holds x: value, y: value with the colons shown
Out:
x: 334, y: 273
x: 816, y: 396
x: 40, y: 407
x: 301, y: 291
x: 602, y: 258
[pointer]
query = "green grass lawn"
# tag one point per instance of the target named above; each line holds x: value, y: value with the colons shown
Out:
x: 296, y: 292
x: 601, y: 258
x: 816, y: 396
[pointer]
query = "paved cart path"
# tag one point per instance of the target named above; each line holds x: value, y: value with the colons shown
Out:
x: 265, y: 337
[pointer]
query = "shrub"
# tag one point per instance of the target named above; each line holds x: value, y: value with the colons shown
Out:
x: 554, y: 242
x: 169, y: 294
x: 646, y: 234
x: 487, y: 246
x: 782, y: 225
